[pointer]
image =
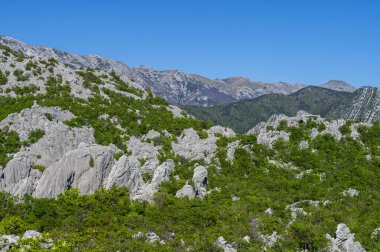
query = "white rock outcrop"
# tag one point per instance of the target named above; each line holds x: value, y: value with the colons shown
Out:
x: 222, y: 243
x: 344, y: 241
x: 190, y: 146
x: 84, y: 168
x: 200, y: 182
x: 186, y: 191
x: 19, y: 177
x: 161, y: 174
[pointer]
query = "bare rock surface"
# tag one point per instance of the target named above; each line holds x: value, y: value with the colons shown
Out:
x: 84, y: 168
x: 191, y: 146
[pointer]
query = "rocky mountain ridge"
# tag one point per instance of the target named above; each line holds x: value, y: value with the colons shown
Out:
x: 177, y: 87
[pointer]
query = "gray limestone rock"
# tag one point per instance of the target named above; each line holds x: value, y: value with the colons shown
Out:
x: 186, y: 191
x: 126, y: 172
x: 161, y: 174
x: 222, y: 243
x: 190, y: 146
x: 344, y: 241
x: 31, y: 234
x: 200, y: 181
x: 269, y: 136
x: 84, y: 168
x: 144, y: 151
x: 270, y: 240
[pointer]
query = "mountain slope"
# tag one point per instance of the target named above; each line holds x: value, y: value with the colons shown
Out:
x: 177, y: 87
x: 243, y: 115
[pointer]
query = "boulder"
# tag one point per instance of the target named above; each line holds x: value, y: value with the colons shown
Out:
x: 200, y: 181
x: 186, y: 191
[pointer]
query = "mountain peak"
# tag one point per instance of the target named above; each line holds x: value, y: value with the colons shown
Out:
x: 339, y: 85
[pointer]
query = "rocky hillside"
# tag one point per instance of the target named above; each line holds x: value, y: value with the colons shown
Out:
x: 92, y: 161
x: 177, y: 87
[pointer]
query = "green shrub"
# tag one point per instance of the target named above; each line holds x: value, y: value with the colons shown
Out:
x: 40, y: 168
x: 35, y: 135
x: 12, y: 225
x: 3, y: 78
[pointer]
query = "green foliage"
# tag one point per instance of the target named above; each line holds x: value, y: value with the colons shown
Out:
x: 91, y: 162
x: 118, y: 155
x: 40, y: 168
x: 269, y: 128
x: 35, y: 135
x: 49, y: 116
x: 123, y: 86
x: 9, y: 144
x: 345, y: 129
x: 283, y: 125
x: 203, y: 134
x: 27, y: 90
x: 321, y: 127
x: 89, y: 78
x: 20, y: 75
x: 3, y: 78
x: 12, y: 225
x: 147, y: 177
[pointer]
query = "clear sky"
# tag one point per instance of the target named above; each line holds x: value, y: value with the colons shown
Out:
x: 290, y: 40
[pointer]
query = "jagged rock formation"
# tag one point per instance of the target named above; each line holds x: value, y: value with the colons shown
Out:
x: 70, y: 159
x: 350, y: 192
x: 84, y: 168
x: 190, y: 146
x: 19, y: 176
x: 200, y: 182
x: 344, y: 241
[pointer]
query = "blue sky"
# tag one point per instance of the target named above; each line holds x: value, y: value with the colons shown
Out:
x: 294, y: 41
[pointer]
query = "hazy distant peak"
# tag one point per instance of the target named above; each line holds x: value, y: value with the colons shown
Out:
x: 339, y: 85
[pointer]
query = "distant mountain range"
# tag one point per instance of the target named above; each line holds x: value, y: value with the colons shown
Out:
x: 177, y: 87
x: 361, y: 105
